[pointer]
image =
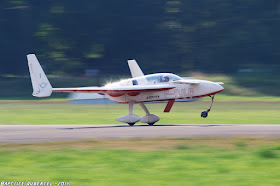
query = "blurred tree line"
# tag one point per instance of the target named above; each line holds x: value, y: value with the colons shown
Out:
x: 165, y: 35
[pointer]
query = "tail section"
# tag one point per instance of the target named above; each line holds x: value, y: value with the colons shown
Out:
x: 40, y: 83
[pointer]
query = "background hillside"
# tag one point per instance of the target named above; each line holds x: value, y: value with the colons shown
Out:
x: 236, y: 38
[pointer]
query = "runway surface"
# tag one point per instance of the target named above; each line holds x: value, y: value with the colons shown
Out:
x: 50, y: 133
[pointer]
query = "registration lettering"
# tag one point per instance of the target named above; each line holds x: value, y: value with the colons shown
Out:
x: 152, y: 97
x: 179, y: 92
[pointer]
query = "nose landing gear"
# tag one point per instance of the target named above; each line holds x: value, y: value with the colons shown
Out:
x: 204, y: 114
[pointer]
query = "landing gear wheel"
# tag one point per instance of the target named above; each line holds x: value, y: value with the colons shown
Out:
x: 204, y: 114
x: 151, y: 124
x: 131, y: 124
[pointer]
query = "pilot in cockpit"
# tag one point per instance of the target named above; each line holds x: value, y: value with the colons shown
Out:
x: 165, y: 78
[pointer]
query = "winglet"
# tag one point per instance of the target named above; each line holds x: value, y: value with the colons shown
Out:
x: 40, y: 83
x: 134, y: 68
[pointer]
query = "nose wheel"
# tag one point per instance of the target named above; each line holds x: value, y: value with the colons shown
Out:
x: 204, y: 114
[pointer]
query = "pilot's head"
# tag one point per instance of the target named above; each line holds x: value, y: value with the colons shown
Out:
x: 165, y: 78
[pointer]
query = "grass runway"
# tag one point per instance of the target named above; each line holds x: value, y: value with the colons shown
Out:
x: 223, y: 112
x: 181, y: 161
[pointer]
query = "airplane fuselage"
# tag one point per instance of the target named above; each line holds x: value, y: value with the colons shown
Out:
x: 179, y: 91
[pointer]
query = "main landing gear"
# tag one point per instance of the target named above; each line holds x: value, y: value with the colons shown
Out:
x: 151, y: 119
x: 131, y: 118
x: 204, y: 114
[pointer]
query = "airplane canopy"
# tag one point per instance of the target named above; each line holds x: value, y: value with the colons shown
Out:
x: 162, y: 78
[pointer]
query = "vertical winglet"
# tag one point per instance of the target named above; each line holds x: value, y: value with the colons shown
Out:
x: 137, y: 72
x: 134, y: 68
x: 169, y: 105
x: 40, y: 83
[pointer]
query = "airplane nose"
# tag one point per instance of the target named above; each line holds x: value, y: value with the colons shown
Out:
x: 218, y: 87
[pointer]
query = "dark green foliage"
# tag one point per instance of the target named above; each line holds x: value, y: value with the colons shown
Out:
x: 182, y: 147
x: 241, y: 144
x: 277, y: 147
x: 267, y: 153
x: 208, y: 35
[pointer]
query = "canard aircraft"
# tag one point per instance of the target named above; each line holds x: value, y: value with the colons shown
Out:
x: 138, y: 89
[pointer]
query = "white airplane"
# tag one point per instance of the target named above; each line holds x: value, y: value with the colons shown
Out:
x: 138, y: 89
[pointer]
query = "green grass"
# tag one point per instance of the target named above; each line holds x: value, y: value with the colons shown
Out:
x: 32, y: 112
x: 224, y: 97
x: 124, y: 162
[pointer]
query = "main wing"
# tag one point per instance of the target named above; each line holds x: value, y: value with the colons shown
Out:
x: 191, y: 81
x: 117, y: 91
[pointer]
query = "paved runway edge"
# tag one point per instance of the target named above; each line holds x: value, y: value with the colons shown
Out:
x: 51, y: 133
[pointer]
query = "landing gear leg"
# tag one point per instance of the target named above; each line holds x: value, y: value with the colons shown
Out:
x: 148, y: 118
x: 130, y: 108
x: 131, y: 118
x: 204, y: 114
